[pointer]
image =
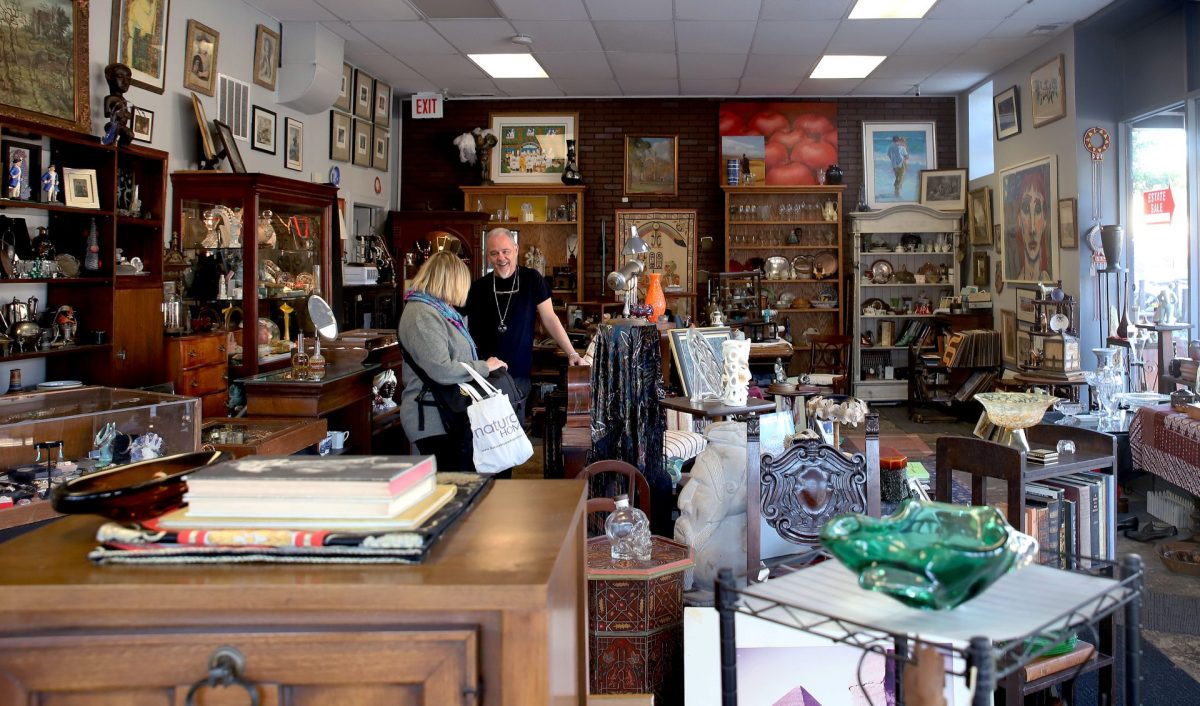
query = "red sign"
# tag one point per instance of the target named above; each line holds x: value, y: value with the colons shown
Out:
x: 1158, y: 205
x: 427, y: 105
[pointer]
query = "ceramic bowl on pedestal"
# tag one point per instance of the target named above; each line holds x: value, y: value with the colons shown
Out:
x: 1015, y: 412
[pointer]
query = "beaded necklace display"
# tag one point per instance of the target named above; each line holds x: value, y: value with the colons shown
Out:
x: 516, y: 287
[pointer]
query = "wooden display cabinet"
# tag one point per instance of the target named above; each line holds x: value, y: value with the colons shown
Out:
x: 552, y: 230
x: 407, y: 233
x: 126, y: 353
x: 274, y: 261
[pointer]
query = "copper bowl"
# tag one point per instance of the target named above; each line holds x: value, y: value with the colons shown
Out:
x: 137, y: 491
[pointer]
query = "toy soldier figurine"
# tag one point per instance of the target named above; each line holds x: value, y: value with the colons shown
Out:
x: 14, y: 177
x: 50, y: 184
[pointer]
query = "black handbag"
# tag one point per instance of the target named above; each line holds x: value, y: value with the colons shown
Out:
x: 451, y: 401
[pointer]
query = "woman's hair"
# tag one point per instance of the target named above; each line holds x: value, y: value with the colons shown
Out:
x: 445, y: 276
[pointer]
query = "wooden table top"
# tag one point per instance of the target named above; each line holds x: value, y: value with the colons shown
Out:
x: 717, y: 408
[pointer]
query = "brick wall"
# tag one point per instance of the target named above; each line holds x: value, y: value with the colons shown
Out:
x: 431, y: 173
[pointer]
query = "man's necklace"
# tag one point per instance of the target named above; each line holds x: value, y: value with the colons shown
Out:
x: 516, y: 287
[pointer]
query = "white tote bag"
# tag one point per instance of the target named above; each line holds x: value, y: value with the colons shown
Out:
x: 498, y: 440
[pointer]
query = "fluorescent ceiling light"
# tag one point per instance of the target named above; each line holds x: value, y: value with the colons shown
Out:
x: 509, y: 65
x: 846, y: 66
x: 890, y: 9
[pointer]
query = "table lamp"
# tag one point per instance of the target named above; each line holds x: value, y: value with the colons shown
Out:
x: 625, y: 279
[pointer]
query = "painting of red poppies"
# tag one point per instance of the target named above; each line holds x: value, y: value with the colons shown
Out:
x: 801, y: 138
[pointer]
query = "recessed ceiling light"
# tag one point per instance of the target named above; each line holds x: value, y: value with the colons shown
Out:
x: 509, y: 65
x: 890, y: 9
x: 845, y: 66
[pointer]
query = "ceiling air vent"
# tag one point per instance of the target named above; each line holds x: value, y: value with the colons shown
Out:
x: 456, y: 9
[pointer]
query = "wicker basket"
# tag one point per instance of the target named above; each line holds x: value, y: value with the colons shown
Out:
x: 1181, y: 557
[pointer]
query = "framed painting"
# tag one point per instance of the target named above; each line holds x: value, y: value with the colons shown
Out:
x: 750, y: 154
x: 944, y: 189
x: 143, y: 124
x: 1048, y: 91
x: 206, y: 141
x: 981, y: 269
x: 671, y: 236
x: 262, y: 134
x: 383, y: 103
x: 24, y: 163
x: 979, y: 216
x: 379, y: 151
x: 1068, y: 230
x: 293, y: 141
x: 79, y: 188
x: 346, y: 92
x: 894, y: 155
x: 1008, y: 335
x: 139, y: 40
x: 362, y: 143
x: 1024, y: 346
x: 799, y: 140
x: 651, y: 165
x: 1026, y: 192
x: 58, y: 97
x: 532, y: 147
x: 1026, y: 312
x: 200, y: 58
x: 363, y: 86
x: 230, y: 148
x: 340, y: 128
x: 685, y: 358
x: 1007, y: 117
x: 266, y: 57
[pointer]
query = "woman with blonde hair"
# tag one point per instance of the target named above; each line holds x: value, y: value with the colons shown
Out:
x: 435, y: 341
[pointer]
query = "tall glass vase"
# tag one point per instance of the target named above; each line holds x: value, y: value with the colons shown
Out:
x: 1108, y: 380
x: 655, y: 298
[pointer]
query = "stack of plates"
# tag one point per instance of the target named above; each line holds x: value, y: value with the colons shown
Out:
x: 59, y: 384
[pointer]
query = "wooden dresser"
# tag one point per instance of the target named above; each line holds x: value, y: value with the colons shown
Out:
x: 496, y: 615
x: 199, y: 367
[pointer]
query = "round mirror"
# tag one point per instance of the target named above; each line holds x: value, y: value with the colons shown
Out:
x: 322, y: 317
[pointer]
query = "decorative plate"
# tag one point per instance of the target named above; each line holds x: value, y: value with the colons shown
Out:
x: 1059, y: 323
x: 881, y: 271
x: 826, y: 265
x: 59, y: 384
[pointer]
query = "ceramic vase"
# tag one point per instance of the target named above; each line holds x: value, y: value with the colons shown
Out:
x: 736, y: 376
x: 655, y: 299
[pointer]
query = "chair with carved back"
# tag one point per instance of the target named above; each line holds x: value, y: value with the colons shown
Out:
x: 830, y: 353
x: 604, y: 483
x: 812, y: 482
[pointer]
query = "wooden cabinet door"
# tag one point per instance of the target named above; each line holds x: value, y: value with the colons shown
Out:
x: 299, y: 667
x: 137, y: 337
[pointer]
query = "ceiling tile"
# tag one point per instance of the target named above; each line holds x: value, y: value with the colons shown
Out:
x: 559, y: 36
x: 950, y: 82
x: 884, y: 87
x: 719, y: 10
x: 827, y: 87
x: 1060, y: 11
x: 636, y: 36
x: 785, y: 37
x: 708, y: 87
x: 456, y: 9
x: 651, y: 66
x: 629, y: 10
x: 575, y: 65
x: 354, y: 38
x: 391, y: 71
x: 588, y: 86
x: 974, y: 10
x: 649, y: 87
x: 873, y: 37
x: 524, y: 87
x: 773, y: 65
x: 294, y: 10
x: 479, y: 36
x: 909, y: 66
x: 543, y: 9
x: 702, y: 66
x: 409, y: 38
x: 370, y: 10
x: 946, y: 37
x: 807, y: 10
x: 440, y: 69
x: 767, y: 86
x: 720, y: 37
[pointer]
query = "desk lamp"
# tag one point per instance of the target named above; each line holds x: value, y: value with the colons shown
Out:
x: 625, y: 279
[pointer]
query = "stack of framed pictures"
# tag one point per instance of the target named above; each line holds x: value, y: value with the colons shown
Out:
x: 360, y: 121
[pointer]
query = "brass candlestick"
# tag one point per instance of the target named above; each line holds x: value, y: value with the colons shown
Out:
x: 286, y: 309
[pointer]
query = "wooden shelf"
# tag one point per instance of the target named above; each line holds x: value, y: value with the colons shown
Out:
x: 54, y: 352
x: 68, y: 281
x: 769, y: 246
x: 56, y: 207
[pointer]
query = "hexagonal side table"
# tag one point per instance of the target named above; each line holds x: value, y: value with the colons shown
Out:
x: 635, y: 620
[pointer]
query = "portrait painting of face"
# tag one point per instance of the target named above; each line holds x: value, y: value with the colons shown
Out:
x: 1028, y: 196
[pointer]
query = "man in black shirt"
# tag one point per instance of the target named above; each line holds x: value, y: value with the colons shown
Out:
x: 501, y: 309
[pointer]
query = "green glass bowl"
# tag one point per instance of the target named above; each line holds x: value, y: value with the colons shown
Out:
x: 929, y: 555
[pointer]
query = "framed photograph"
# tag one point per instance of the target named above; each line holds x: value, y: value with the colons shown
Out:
x: 139, y: 40
x: 266, y: 57
x: 1008, y: 335
x: 383, y: 103
x: 262, y: 134
x: 340, y: 128
x: 200, y: 58
x: 894, y: 155
x: 944, y: 189
x: 79, y: 188
x: 23, y: 161
x: 206, y: 141
x: 230, y: 148
x: 1068, y: 231
x: 1007, y: 116
x: 362, y: 143
x: 363, y: 86
x: 1048, y: 92
x: 1026, y: 312
x: 1024, y: 346
x: 671, y: 235
x: 652, y: 165
x: 979, y: 216
x: 58, y: 97
x: 981, y: 269
x: 143, y: 124
x: 532, y: 147
x: 346, y: 92
x: 1026, y: 192
x: 685, y: 358
x: 293, y: 142
x: 379, y: 151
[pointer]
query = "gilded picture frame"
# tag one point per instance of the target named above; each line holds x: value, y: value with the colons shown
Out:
x: 59, y: 98
x: 651, y: 165
x: 200, y: 58
x: 979, y: 216
x: 139, y: 40
x: 266, y: 57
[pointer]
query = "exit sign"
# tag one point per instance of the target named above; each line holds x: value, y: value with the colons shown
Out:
x: 427, y: 105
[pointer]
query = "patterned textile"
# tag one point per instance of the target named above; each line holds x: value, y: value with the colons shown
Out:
x: 1167, y: 444
x: 683, y: 444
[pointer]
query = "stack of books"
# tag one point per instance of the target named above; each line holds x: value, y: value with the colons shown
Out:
x: 1042, y: 456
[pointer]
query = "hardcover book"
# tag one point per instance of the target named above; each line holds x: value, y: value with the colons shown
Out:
x: 314, y: 507
x: 383, y: 477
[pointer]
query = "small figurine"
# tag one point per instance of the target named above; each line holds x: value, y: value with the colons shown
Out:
x: 116, y: 108
x: 14, y: 176
x: 780, y: 373
x: 50, y: 184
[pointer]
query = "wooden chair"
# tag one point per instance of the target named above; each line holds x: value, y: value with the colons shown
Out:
x: 635, y: 486
x: 830, y: 353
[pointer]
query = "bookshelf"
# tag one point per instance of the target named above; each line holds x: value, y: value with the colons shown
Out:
x: 946, y: 376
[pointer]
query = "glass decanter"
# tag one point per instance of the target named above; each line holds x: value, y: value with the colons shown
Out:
x: 1108, y: 381
x: 628, y: 532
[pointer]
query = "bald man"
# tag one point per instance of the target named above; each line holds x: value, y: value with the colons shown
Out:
x: 502, y: 307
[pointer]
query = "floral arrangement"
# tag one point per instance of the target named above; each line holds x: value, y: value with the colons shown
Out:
x: 849, y: 410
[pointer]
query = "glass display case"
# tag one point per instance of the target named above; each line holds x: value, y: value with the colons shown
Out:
x: 253, y: 248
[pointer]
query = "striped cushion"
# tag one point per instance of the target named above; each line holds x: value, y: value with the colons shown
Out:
x: 683, y: 444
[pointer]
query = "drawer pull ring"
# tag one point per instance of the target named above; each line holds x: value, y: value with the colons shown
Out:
x: 224, y: 669
x: 192, y: 354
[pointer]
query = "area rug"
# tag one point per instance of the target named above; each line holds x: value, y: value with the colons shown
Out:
x: 1163, y: 684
